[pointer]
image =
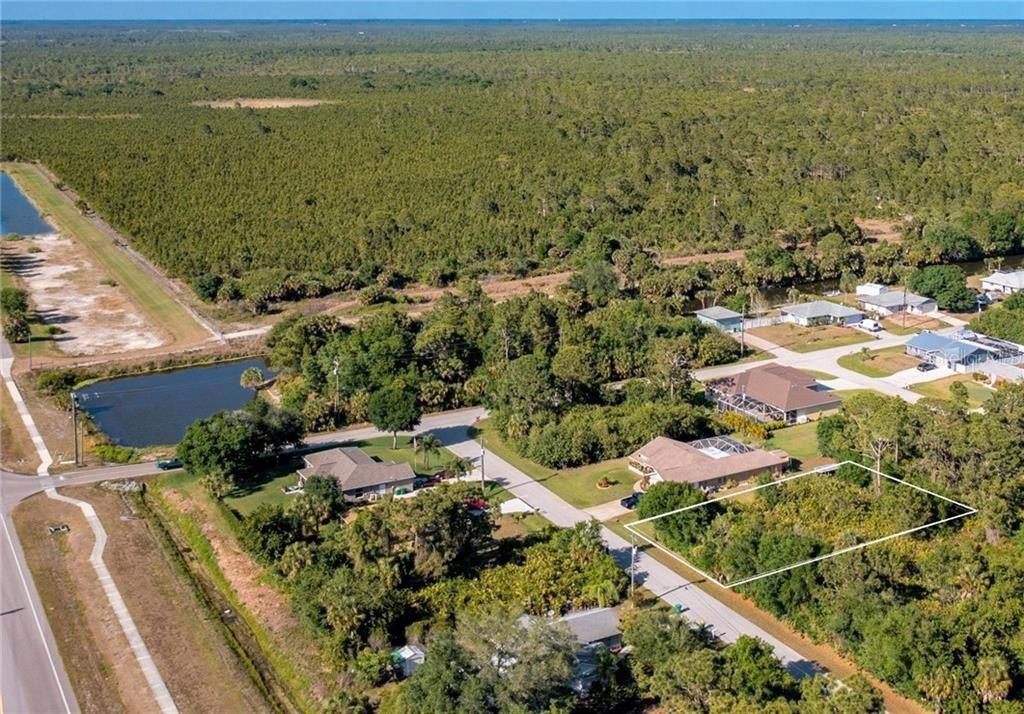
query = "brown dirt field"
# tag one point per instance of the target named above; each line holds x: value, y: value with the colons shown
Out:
x: 269, y: 103
x: 17, y: 452
x: 919, y: 322
x: 732, y: 255
x: 103, y: 671
x: 880, y: 231
x: 65, y: 289
x: 188, y: 650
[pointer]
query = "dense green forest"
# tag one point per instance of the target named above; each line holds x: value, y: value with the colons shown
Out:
x: 445, y: 150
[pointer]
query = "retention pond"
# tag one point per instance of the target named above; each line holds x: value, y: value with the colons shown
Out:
x: 155, y: 409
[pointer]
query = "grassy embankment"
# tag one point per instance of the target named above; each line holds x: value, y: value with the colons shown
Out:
x: 155, y: 300
x: 282, y: 653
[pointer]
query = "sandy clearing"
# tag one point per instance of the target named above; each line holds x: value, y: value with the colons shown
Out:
x: 65, y: 289
x: 269, y: 103
x: 879, y: 230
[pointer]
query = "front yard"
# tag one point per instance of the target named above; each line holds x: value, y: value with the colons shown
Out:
x: 810, y: 339
x: 879, y: 363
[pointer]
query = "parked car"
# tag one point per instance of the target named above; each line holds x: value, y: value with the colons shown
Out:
x: 925, y: 367
x: 870, y: 325
x: 630, y: 501
x: 168, y: 464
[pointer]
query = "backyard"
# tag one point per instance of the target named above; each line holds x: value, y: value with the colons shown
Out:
x: 810, y: 339
x: 879, y: 363
x: 801, y: 443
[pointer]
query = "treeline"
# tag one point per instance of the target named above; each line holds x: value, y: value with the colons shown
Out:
x: 937, y: 615
x: 504, y: 150
x: 543, y: 365
x: 1005, y: 322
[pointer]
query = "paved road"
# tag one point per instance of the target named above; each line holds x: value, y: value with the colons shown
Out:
x: 32, y: 678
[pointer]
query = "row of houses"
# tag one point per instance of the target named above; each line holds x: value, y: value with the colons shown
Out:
x: 872, y: 298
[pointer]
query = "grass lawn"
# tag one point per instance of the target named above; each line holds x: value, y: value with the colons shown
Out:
x: 579, y: 486
x: 151, y: 296
x: 576, y: 486
x: 879, y: 363
x: 800, y: 442
x: 810, y: 339
x: 977, y: 394
x: 754, y: 355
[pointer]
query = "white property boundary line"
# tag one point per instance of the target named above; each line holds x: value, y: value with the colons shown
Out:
x: 631, y: 527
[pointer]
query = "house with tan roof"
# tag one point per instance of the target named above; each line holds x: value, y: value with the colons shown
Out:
x: 359, y: 477
x: 705, y: 463
x: 772, y: 392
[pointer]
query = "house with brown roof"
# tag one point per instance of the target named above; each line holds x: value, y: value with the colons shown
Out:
x: 359, y: 477
x: 772, y: 392
x: 706, y: 463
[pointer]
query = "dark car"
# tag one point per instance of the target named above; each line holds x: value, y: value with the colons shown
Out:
x: 925, y: 367
x: 630, y: 501
x: 168, y: 464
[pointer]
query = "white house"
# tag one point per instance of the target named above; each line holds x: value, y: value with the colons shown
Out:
x: 821, y: 312
x: 871, y: 289
x: 1004, y: 281
x: 896, y: 301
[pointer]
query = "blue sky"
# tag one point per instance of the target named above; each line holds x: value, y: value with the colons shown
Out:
x: 513, y: 9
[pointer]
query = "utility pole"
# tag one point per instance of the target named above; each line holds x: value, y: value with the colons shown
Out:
x: 483, y: 451
x: 743, y: 331
x: 74, y: 423
x: 632, y: 564
x: 30, y: 349
x: 336, y: 382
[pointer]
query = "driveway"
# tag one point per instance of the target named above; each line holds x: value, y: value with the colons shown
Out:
x: 606, y: 511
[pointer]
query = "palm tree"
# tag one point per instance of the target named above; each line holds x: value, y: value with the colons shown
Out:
x: 459, y: 466
x: 602, y: 592
x: 993, y: 681
x: 252, y: 378
x: 938, y: 686
x: 428, y: 446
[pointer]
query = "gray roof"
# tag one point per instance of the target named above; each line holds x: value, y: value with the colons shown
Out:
x: 716, y: 312
x: 593, y: 625
x: 931, y: 343
x: 353, y: 468
x: 1007, y: 279
x: 894, y: 299
x: 820, y: 308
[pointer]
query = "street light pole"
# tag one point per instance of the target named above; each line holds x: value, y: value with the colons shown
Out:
x: 74, y: 424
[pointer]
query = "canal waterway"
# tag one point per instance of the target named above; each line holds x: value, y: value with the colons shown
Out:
x: 155, y: 409
x: 17, y: 214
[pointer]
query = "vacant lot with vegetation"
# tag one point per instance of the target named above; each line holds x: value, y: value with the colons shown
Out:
x: 810, y: 339
x: 879, y: 363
